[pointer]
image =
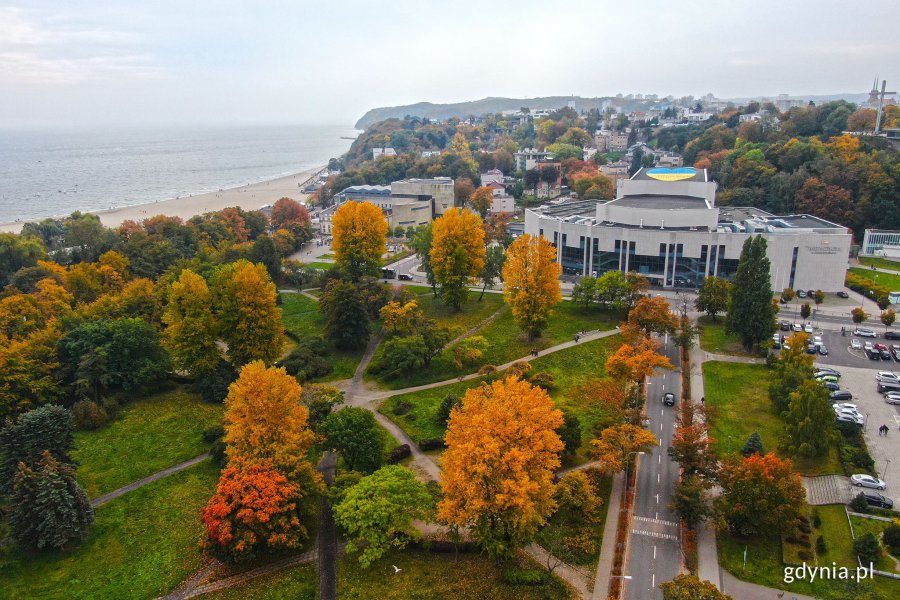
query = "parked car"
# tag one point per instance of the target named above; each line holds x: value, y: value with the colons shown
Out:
x: 846, y: 406
x: 878, y: 500
x: 404, y: 277
x: 797, y: 327
x: 823, y: 350
x: 892, y: 398
x: 888, y: 386
x: 831, y: 386
x: 868, y: 481
x: 776, y: 341
x: 817, y: 340
x: 843, y: 294
x: 811, y: 349
x: 828, y: 377
x: 668, y: 399
x: 895, y: 350
x: 827, y: 371
x: 811, y: 293
x: 784, y: 326
x: 840, y: 418
x: 808, y: 328
x: 856, y: 344
x: 892, y: 335
x: 841, y: 395
x: 873, y: 354
x: 886, y: 375
x: 863, y: 332
x: 801, y: 294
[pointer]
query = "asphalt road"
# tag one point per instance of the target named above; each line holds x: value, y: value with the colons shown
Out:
x: 654, y: 548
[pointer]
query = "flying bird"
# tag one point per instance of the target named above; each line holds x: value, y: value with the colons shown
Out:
x: 396, y: 569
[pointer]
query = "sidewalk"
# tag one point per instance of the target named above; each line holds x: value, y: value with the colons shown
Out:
x: 608, y: 546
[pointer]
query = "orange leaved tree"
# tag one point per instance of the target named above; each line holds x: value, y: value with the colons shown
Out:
x: 634, y: 363
x: 265, y: 421
x: 616, y: 445
x: 502, y: 450
x: 359, y: 234
x: 457, y: 253
x: 531, y: 282
x: 254, y: 510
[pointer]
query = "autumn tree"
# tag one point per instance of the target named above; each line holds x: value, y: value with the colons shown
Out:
x: 713, y: 296
x: 616, y: 446
x: 401, y: 318
x: 254, y: 510
x: 457, y: 253
x: 191, y: 328
x: 888, y: 317
x: 481, y: 200
x: 634, y: 363
x: 859, y: 315
x: 791, y: 368
x: 355, y: 435
x: 49, y: 508
x: 359, y: 238
x: 378, y: 512
x: 690, y: 448
x: 690, y: 587
x: 246, y: 310
x: 692, y: 500
x: 265, y: 422
x: 30, y: 373
x: 652, y: 315
x: 502, y: 451
x: 760, y: 493
x: 531, y: 282
x: 751, y: 314
x: 290, y: 215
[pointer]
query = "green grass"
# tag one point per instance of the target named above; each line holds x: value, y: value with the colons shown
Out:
x: 150, y: 435
x: 422, y: 576
x: 862, y: 526
x: 738, y: 396
x: 508, y: 343
x: 570, y: 368
x: 458, y: 322
x: 319, y: 265
x: 888, y: 280
x: 713, y: 338
x: 881, y: 263
x: 300, y: 316
x: 764, y: 566
x: 142, y: 545
x: 573, y: 525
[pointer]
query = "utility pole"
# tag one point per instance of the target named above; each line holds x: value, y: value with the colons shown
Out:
x: 881, y: 96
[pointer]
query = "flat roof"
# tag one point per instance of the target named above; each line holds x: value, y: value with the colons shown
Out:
x: 670, y: 174
x: 581, y: 208
x: 807, y: 221
x: 660, y: 202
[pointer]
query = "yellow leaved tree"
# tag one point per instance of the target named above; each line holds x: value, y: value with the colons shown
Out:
x: 502, y: 451
x: 531, y: 282
x: 616, y: 446
x: 457, y: 253
x: 191, y: 329
x: 359, y: 234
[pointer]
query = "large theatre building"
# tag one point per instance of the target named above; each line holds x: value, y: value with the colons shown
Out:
x: 665, y: 225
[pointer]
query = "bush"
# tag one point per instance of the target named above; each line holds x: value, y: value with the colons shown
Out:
x: 523, y: 576
x: 447, y: 404
x: 432, y: 444
x: 804, y: 555
x: 111, y: 407
x: 308, y: 359
x: 867, y: 548
x: 211, y: 434
x: 213, y: 387
x: 399, y: 453
x: 487, y: 370
x: 543, y: 379
x: 217, y: 453
x: 518, y: 369
x: 859, y: 504
x: 402, y: 407
x: 821, y: 547
x: 804, y: 527
x: 891, y: 539
x: 817, y: 520
x: 88, y: 415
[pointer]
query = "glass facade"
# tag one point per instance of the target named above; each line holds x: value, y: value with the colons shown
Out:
x: 874, y: 242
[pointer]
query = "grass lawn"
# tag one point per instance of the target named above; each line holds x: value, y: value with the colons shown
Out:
x: 508, y: 342
x: 738, y: 396
x: 471, y: 314
x: 764, y: 564
x: 888, y: 280
x: 150, y: 435
x: 713, y: 338
x: 571, y: 525
x: 422, y: 576
x: 881, y: 263
x: 142, y: 545
x: 862, y: 526
x: 300, y: 316
x: 570, y: 368
x: 319, y: 265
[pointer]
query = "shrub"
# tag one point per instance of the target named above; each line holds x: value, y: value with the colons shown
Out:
x: 402, y: 407
x: 891, y: 539
x: 432, y: 444
x: 111, y: 407
x: 867, y: 548
x: 583, y: 542
x: 217, y: 453
x: 213, y: 387
x: 447, y: 404
x: 307, y: 360
x: 804, y: 527
x: 211, y: 434
x: 859, y: 504
x: 523, y: 576
x: 821, y: 547
x: 518, y: 369
x: 88, y: 415
x: 804, y: 555
x: 543, y: 379
x: 817, y: 520
x: 487, y: 370
x: 399, y: 453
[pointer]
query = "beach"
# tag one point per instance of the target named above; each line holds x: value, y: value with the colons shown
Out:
x: 248, y: 197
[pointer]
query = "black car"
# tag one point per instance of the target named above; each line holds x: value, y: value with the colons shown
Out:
x: 843, y: 294
x: 784, y: 326
x: 404, y: 277
x: 885, y: 354
x: 892, y: 335
x: 823, y: 350
x: 895, y: 350
x: 811, y: 349
x: 873, y: 354
x: 876, y: 499
x: 841, y: 395
x: 832, y: 387
x: 668, y: 399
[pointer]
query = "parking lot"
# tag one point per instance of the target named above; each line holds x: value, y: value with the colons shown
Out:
x: 840, y: 354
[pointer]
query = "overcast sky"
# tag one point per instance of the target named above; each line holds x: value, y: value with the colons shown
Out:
x: 176, y: 61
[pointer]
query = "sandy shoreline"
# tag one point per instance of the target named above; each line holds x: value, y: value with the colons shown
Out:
x: 248, y: 197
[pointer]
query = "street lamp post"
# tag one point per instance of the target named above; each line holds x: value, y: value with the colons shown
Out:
x: 887, y: 463
x: 637, y: 452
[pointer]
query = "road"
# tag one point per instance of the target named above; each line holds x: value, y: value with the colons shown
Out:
x: 654, y: 548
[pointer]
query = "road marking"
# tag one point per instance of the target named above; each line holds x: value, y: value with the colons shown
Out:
x: 660, y: 459
x: 657, y: 478
x: 654, y: 552
x: 656, y: 515
x: 657, y: 498
x: 653, y: 585
x: 656, y: 521
x: 653, y: 534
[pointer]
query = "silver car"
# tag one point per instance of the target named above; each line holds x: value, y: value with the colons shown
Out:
x: 856, y: 344
x: 892, y: 398
x: 863, y: 480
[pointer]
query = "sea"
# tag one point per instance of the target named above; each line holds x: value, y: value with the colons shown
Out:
x: 49, y: 173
